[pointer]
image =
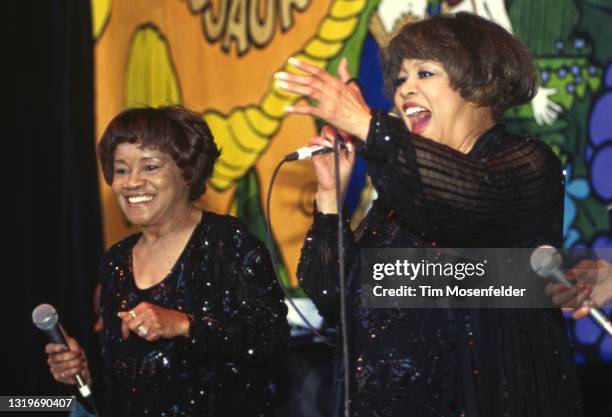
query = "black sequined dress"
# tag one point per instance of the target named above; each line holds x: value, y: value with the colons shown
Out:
x: 224, y: 279
x: 506, y: 192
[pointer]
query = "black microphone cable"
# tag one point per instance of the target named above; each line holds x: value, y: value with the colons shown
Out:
x: 275, y: 267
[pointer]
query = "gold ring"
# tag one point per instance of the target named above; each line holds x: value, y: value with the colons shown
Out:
x: 133, y: 313
x: 62, y: 375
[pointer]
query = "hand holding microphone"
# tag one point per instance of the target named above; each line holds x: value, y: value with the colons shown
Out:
x: 341, y: 105
x: 308, y: 152
x: 67, y: 361
x: 325, y: 171
x: 593, y: 278
x: 546, y: 262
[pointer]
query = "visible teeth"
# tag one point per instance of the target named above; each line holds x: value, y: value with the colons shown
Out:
x: 412, y: 111
x: 140, y: 199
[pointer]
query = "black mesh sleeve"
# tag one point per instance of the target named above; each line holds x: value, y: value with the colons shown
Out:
x: 513, y: 189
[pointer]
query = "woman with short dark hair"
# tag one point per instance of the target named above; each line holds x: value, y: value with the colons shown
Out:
x: 192, y: 314
x: 181, y: 134
x: 447, y: 174
x: 486, y: 65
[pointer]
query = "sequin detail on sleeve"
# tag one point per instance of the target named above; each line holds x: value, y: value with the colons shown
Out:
x: 505, y: 182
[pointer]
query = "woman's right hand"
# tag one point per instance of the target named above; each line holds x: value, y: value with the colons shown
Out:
x: 65, y: 363
x: 339, y: 100
x: 325, y: 170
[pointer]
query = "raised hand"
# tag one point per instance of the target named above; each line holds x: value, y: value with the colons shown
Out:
x: 339, y: 101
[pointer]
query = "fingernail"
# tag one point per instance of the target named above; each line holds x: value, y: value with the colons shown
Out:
x: 281, y: 75
x: 294, y: 61
x: 288, y: 109
x: 282, y: 84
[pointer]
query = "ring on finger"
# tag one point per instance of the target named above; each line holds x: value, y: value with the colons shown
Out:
x: 133, y: 313
x: 62, y: 376
x: 142, y: 329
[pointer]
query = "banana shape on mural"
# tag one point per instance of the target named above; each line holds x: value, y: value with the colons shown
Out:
x: 246, y: 132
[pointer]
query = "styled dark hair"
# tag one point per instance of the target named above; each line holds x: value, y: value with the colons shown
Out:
x: 486, y: 64
x: 175, y: 131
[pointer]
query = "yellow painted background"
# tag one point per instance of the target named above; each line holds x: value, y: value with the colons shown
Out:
x: 210, y: 79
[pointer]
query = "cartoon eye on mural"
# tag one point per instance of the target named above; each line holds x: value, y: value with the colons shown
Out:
x: 219, y: 58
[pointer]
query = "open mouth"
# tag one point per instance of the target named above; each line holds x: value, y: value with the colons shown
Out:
x: 419, y: 118
x: 139, y: 199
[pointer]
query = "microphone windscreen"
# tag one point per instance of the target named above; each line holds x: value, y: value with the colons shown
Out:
x: 45, y: 317
x: 544, y: 260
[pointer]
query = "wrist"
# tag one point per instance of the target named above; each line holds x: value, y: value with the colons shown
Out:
x: 364, y: 127
x: 326, y: 202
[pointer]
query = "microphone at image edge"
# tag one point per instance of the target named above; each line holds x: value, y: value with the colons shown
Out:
x: 45, y: 317
x: 546, y: 262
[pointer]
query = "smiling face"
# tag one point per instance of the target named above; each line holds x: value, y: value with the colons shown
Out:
x: 431, y: 108
x: 148, y: 185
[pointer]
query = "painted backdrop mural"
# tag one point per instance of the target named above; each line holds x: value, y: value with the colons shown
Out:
x: 219, y: 57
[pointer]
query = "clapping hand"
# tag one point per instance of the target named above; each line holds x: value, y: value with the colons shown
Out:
x: 339, y: 100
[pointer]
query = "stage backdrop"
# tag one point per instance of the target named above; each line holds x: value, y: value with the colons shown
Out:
x: 218, y: 57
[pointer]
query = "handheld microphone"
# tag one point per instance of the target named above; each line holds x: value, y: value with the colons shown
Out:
x: 45, y: 317
x: 546, y: 262
x: 308, y: 152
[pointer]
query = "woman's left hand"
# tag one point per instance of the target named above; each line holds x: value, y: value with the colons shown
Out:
x: 339, y: 101
x: 152, y: 322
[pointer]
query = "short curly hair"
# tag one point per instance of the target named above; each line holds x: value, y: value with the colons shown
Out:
x: 173, y: 130
x: 486, y: 64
